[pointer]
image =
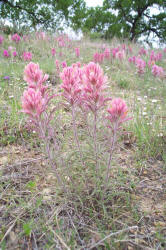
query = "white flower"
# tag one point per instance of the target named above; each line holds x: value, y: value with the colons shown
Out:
x: 154, y: 100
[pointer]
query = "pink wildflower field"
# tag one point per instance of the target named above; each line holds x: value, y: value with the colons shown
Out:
x: 83, y: 143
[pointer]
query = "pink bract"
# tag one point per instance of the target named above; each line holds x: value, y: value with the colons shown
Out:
x: 53, y: 52
x: 33, y: 103
x: 120, y: 55
x: 64, y: 64
x: 157, y: 71
x: 71, y: 83
x: 94, y: 84
x: 14, y: 53
x: 27, y: 56
x: 140, y: 64
x: 6, y: 54
x: 16, y: 38
x: 118, y: 111
x: 33, y: 75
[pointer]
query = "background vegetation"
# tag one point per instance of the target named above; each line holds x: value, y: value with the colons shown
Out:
x: 119, y: 18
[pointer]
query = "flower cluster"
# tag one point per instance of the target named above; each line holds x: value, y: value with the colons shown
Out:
x: 140, y: 64
x: 16, y: 38
x: 132, y: 59
x: 155, y: 57
x: 27, y: 56
x: 53, y: 52
x: 86, y: 86
x: 117, y: 112
x: 6, y: 53
x: 35, y: 98
x: 71, y: 83
x: 98, y: 57
x: 114, y: 51
x: 157, y: 71
x: 142, y: 51
x: 33, y: 103
x: 120, y: 55
x: 94, y: 84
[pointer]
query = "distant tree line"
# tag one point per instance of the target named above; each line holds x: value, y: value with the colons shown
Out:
x: 130, y: 19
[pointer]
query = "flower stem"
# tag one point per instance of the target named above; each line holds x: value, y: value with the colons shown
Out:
x: 110, y: 157
x: 53, y: 163
x: 76, y: 135
x: 95, y: 141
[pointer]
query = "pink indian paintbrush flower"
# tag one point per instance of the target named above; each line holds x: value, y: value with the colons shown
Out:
x: 33, y: 75
x: 53, y: 52
x: 27, y: 56
x: 33, y: 103
x: 98, y: 57
x: 142, y: 51
x: 94, y: 84
x: 157, y: 71
x: 140, y: 64
x: 14, y: 53
x: 152, y: 56
x: 132, y: 59
x: 117, y: 112
x: 6, y: 53
x: 64, y: 64
x: 71, y: 84
x: 61, y: 41
x: 77, y: 52
x: 114, y: 51
x: 16, y: 38
x: 120, y: 55
x: 155, y: 57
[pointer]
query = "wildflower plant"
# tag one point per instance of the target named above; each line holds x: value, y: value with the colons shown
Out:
x: 35, y: 103
x: 83, y: 92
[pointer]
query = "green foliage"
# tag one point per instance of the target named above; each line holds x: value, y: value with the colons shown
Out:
x: 128, y: 19
x: 27, y: 227
x: 136, y: 19
x: 40, y: 13
x: 120, y: 18
x: 123, y: 83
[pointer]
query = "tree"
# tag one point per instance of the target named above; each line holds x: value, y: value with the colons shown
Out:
x: 139, y: 17
x: 47, y: 14
x: 130, y: 19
